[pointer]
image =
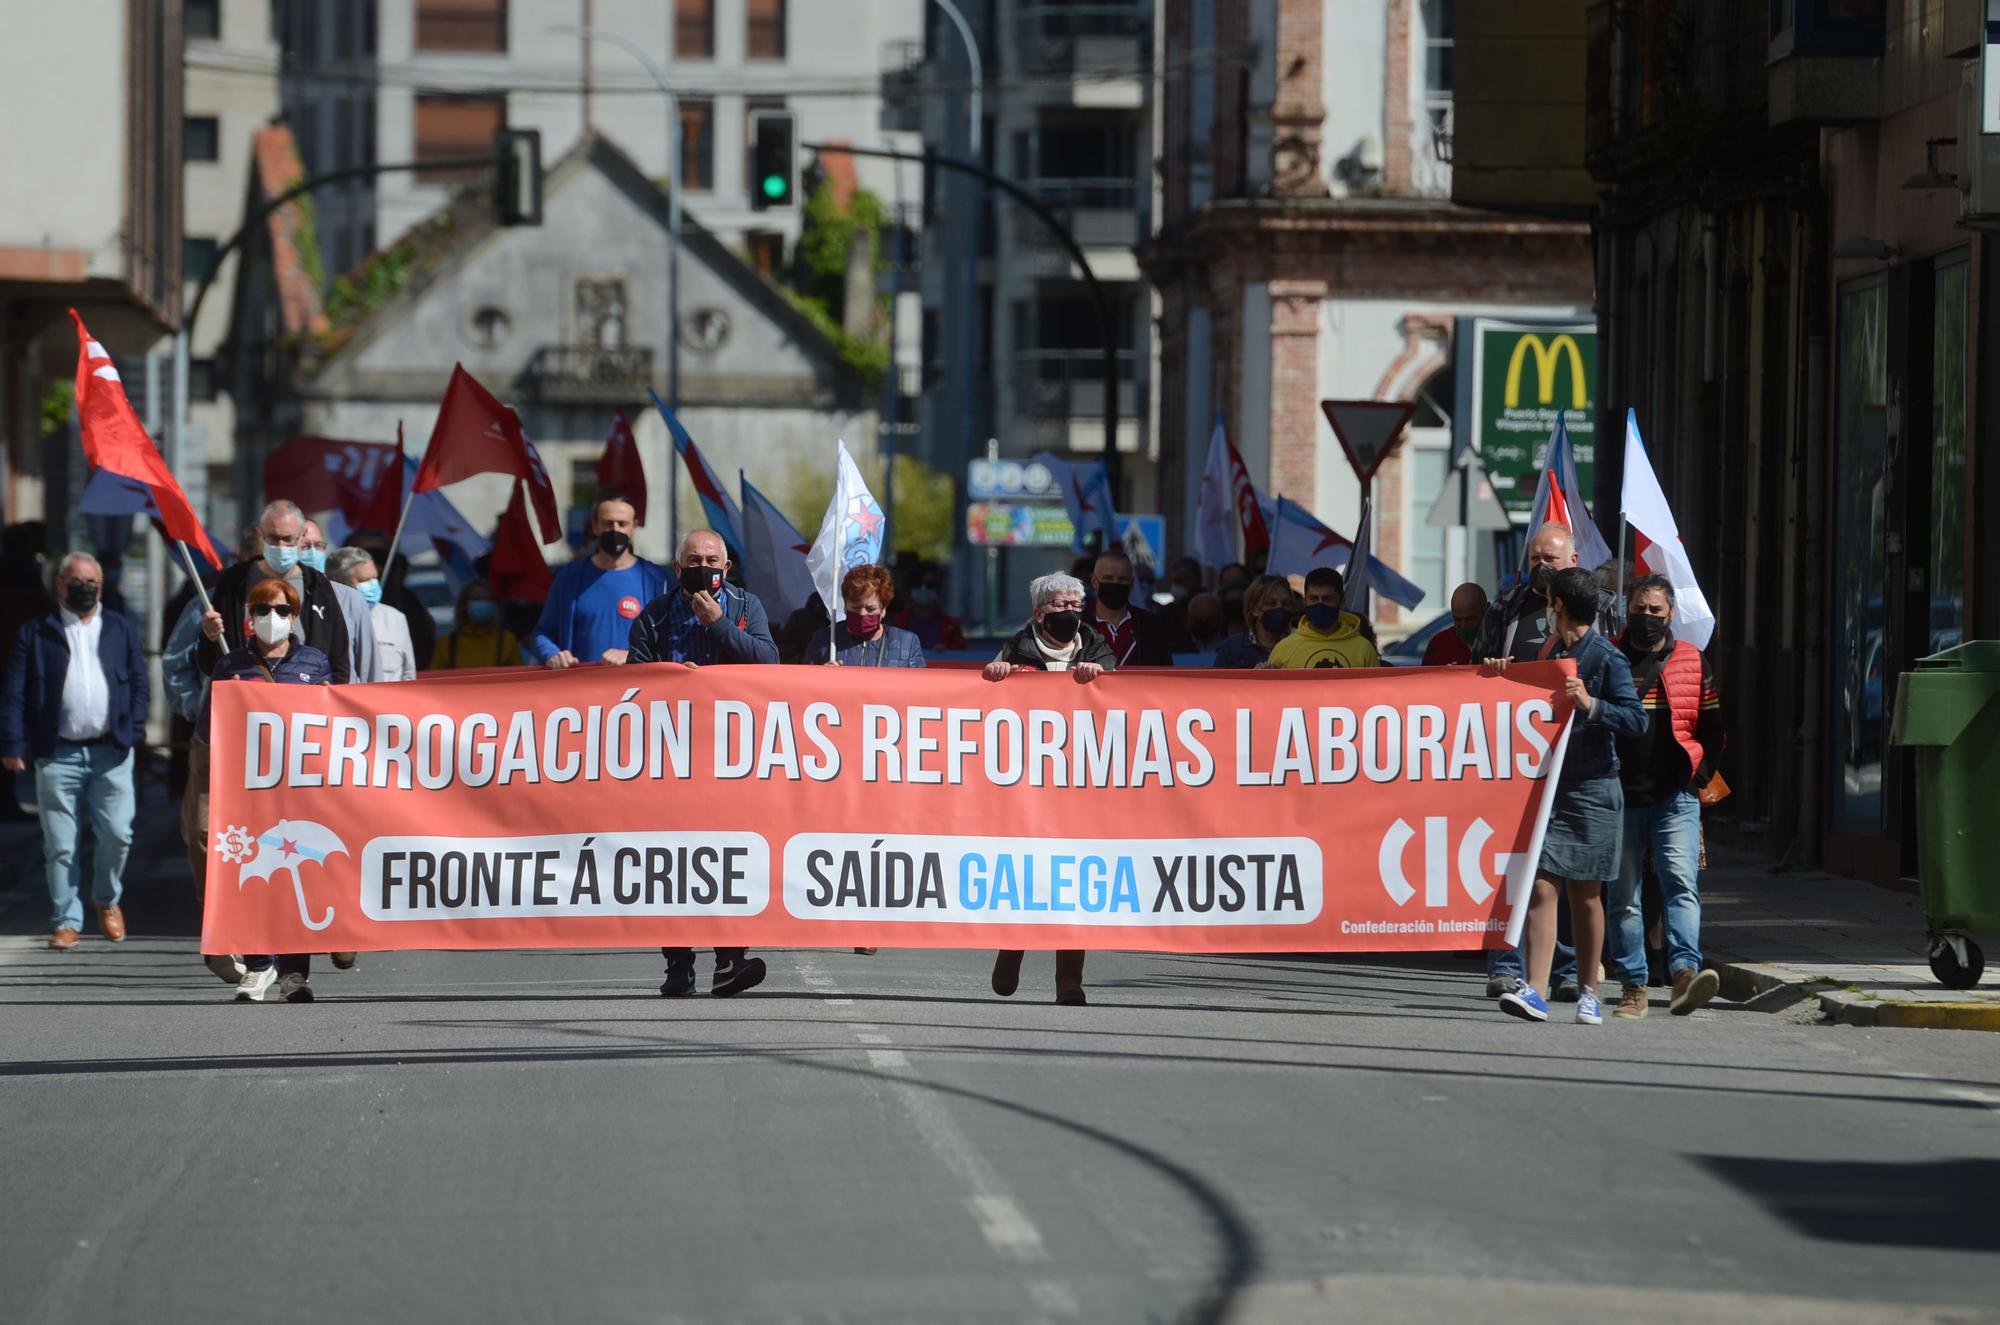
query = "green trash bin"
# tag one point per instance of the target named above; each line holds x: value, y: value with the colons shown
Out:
x: 1949, y: 710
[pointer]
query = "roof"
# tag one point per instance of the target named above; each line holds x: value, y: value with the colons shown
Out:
x: 294, y: 255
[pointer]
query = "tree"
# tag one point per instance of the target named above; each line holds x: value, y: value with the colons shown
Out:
x: 922, y: 521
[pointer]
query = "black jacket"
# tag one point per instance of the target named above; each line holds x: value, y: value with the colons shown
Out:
x: 1021, y: 650
x: 1155, y: 638
x: 320, y: 621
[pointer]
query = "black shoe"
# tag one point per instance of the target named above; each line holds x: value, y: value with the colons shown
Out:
x: 1007, y: 973
x: 345, y: 961
x: 739, y: 975
x: 294, y: 989
x: 679, y: 982
x: 1500, y: 983
x: 1564, y: 992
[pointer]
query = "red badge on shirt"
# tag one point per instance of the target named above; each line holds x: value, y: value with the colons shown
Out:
x: 628, y: 607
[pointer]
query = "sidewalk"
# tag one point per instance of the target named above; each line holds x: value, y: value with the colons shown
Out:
x: 1783, y: 941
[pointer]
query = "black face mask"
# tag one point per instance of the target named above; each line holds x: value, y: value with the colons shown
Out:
x: 1647, y: 632
x: 1114, y: 596
x: 701, y: 579
x: 1062, y: 626
x: 80, y: 598
x: 1540, y: 578
x: 1276, y: 620
x: 614, y: 543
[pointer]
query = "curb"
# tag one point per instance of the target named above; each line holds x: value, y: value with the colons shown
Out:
x: 1767, y: 987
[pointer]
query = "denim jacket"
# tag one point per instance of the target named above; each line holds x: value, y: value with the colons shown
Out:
x: 1593, y: 738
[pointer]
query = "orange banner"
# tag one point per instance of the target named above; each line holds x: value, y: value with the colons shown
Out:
x: 828, y: 807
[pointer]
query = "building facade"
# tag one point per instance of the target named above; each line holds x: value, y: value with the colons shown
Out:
x: 1793, y: 208
x: 1309, y: 250
x: 89, y: 218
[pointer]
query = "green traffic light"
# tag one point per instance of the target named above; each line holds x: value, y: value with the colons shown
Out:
x: 774, y: 186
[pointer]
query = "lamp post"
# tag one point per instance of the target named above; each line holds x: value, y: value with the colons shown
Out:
x: 969, y: 346
x: 659, y: 75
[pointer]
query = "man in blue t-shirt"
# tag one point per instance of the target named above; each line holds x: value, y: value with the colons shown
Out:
x: 595, y: 599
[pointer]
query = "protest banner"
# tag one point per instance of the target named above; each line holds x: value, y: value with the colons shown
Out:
x: 636, y: 806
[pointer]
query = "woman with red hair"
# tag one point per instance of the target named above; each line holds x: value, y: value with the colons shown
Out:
x: 865, y: 638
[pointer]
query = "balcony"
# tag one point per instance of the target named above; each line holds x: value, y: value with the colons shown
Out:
x: 1056, y: 386
x: 902, y: 87
x: 1103, y: 214
x: 1111, y: 36
x: 1430, y: 151
x: 589, y: 375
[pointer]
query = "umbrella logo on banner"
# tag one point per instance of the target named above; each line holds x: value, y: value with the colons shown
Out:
x: 282, y: 847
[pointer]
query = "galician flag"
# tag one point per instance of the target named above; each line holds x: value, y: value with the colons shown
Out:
x: 1559, y: 500
x: 1215, y: 522
x: 1657, y: 539
x: 1300, y: 541
x: 1086, y: 491
x: 849, y: 536
x: 716, y: 503
x: 774, y: 555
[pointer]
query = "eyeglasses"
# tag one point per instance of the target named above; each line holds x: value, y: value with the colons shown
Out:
x: 283, y: 611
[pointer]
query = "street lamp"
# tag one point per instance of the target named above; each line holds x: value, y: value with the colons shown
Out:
x: 969, y: 347
x: 652, y: 67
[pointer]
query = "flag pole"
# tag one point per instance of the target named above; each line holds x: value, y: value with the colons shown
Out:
x: 1620, y: 558
x: 839, y: 557
x: 195, y: 575
x: 396, y: 542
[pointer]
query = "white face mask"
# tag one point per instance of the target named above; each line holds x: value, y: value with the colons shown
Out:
x: 271, y: 627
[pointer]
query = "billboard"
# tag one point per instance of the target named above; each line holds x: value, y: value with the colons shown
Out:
x: 1522, y: 375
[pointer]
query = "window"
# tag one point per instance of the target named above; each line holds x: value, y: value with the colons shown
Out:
x: 1859, y: 661
x: 694, y: 29
x: 456, y: 127
x: 1430, y: 164
x: 202, y: 19
x: 764, y: 30
x: 197, y: 257
x: 201, y: 138
x: 767, y: 251
x: 698, y: 146
x: 600, y: 314
x: 1949, y: 488
x: 204, y: 382
x: 462, y: 25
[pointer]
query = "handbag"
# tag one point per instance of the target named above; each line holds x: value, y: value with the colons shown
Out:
x: 1716, y: 792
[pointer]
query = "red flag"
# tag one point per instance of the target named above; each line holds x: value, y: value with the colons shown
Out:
x: 476, y: 434
x: 114, y: 439
x: 619, y: 473
x: 516, y: 567
x: 383, y: 508
x: 1249, y: 512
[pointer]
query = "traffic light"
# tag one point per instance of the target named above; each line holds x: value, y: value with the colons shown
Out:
x: 517, y: 196
x: 774, y: 159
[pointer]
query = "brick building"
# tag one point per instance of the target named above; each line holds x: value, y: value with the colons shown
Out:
x: 1308, y: 249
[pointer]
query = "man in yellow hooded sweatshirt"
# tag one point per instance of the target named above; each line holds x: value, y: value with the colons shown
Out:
x: 1326, y: 636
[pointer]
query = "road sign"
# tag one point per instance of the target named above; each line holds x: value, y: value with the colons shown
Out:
x: 1010, y: 480
x: 1468, y: 499
x: 1369, y: 430
x: 1145, y: 539
x: 1017, y: 524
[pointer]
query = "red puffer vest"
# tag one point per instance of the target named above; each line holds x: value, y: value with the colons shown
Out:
x: 1681, y: 675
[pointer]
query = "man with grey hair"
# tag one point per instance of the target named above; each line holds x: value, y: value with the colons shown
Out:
x: 1054, y: 640
x: 75, y: 702
x: 320, y: 622
x: 364, y: 657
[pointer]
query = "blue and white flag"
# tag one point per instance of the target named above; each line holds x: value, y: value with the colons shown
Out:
x: 1559, y: 500
x: 774, y: 555
x: 849, y: 536
x: 1086, y: 491
x: 716, y: 503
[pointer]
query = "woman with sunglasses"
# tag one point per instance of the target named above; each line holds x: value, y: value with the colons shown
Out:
x: 271, y: 654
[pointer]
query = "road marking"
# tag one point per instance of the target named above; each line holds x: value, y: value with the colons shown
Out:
x: 1006, y: 1228
x: 867, y: 1037
x: 1985, y: 1097
x: 890, y: 1060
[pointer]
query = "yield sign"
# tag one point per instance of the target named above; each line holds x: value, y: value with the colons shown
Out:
x: 1368, y: 429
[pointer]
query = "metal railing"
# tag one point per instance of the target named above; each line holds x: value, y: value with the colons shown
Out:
x: 1101, y: 213
x: 1069, y: 38
x: 1069, y: 384
x: 586, y: 372
x: 1430, y: 151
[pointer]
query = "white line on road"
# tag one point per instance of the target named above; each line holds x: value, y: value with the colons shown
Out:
x: 889, y: 1060
x: 1986, y: 1097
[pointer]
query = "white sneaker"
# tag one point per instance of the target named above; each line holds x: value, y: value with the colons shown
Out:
x: 250, y: 989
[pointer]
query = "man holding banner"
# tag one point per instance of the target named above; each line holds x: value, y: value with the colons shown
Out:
x: 703, y: 620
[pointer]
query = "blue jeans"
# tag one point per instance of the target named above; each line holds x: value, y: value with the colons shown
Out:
x: 1672, y: 828
x: 1513, y: 961
x: 99, y: 778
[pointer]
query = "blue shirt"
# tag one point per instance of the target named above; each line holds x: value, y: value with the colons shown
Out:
x: 896, y: 648
x: 669, y: 631
x: 590, y: 610
x: 302, y: 665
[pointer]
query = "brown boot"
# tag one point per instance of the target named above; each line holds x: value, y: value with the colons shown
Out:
x: 1692, y: 989
x: 1631, y: 1003
x: 63, y: 939
x: 111, y: 923
x: 1069, y: 977
x: 1007, y: 973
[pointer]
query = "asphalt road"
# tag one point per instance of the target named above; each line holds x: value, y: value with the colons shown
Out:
x: 539, y: 1137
